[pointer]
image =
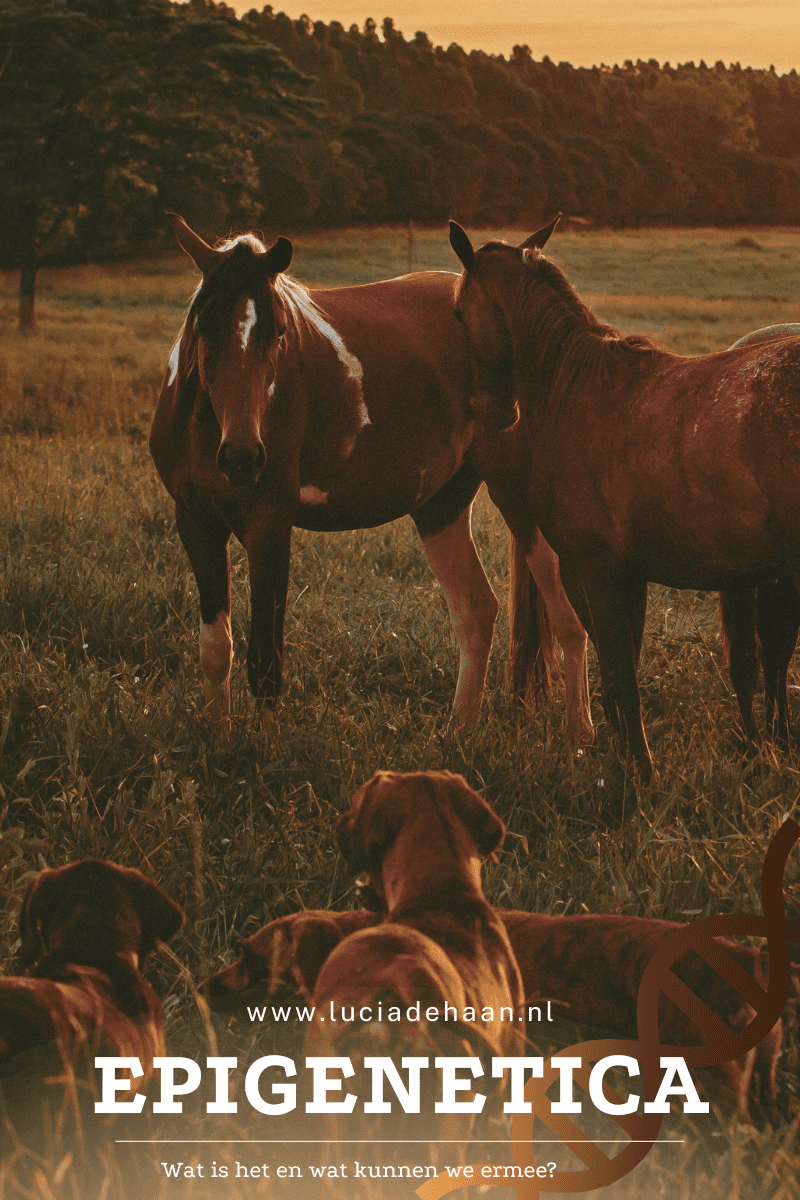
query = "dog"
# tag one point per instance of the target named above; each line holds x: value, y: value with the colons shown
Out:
x: 432, y: 818
x: 440, y: 956
x: 593, y: 965
x: 282, y: 961
x: 86, y: 930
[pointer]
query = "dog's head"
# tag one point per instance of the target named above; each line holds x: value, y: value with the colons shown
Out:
x: 389, y: 799
x: 96, y: 905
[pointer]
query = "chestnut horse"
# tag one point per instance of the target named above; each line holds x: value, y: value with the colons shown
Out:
x: 637, y: 464
x: 329, y: 410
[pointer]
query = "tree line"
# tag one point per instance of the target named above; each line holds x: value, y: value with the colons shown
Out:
x: 420, y: 132
x: 117, y: 109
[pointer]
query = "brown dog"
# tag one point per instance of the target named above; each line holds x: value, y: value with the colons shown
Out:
x: 86, y: 930
x: 282, y: 960
x: 594, y: 964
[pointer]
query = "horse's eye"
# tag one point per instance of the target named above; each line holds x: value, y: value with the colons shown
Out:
x: 280, y: 333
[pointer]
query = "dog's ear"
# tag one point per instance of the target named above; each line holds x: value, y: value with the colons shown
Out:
x: 479, y: 818
x: 366, y: 831
x: 40, y: 902
x: 160, y: 918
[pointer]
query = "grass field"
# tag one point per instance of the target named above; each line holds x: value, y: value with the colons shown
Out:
x: 102, y: 751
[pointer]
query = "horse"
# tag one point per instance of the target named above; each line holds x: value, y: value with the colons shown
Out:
x: 636, y: 464
x: 333, y: 409
x: 762, y: 623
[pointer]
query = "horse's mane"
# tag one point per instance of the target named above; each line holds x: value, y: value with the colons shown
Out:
x: 559, y: 343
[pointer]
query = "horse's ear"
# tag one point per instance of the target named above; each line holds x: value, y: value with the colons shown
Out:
x: 278, y: 257
x: 192, y: 244
x: 462, y: 246
x: 538, y: 240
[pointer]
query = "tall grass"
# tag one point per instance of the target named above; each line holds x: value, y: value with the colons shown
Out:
x: 102, y: 750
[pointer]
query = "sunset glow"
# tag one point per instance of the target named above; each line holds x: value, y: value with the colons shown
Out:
x: 756, y: 33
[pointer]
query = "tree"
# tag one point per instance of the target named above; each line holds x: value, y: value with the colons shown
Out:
x: 48, y: 67
x: 698, y: 115
x: 116, y: 109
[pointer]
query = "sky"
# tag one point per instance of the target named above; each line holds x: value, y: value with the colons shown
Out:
x: 756, y: 33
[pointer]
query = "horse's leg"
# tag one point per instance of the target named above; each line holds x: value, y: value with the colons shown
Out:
x: 473, y: 606
x: 777, y: 622
x: 531, y: 652
x: 638, y: 616
x: 611, y: 607
x: 737, y: 618
x: 543, y: 564
x: 268, y: 546
x: 206, y: 544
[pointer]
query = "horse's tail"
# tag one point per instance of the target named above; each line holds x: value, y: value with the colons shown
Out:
x: 532, y: 654
x: 724, y: 627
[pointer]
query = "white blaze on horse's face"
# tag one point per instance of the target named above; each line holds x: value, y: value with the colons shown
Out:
x: 239, y: 383
x: 246, y: 326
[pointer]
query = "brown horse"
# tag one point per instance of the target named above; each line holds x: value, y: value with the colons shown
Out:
x: 636, y: 463
x: 762, y: 623
x: 329, y: 410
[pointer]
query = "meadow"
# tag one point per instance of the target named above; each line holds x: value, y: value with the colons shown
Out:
x: 103, y: 751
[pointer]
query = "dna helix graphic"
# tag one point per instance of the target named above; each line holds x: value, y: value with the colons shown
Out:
x: 722, y: 1044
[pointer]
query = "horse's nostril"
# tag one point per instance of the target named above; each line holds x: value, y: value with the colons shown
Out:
x: 241, y: 464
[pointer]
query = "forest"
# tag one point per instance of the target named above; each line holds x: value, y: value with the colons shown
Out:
x: 116, y: 110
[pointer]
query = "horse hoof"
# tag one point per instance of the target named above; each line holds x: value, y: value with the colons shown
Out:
x: 581, y: 738
x: 268, y: 718
x: 645, y: 772
x: 466, y: 719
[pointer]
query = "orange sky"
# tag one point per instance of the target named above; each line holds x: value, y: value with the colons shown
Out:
x: 583, y: 32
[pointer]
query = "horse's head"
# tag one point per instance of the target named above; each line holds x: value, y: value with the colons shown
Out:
x: 237, y: 322
x: 484, y: 299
